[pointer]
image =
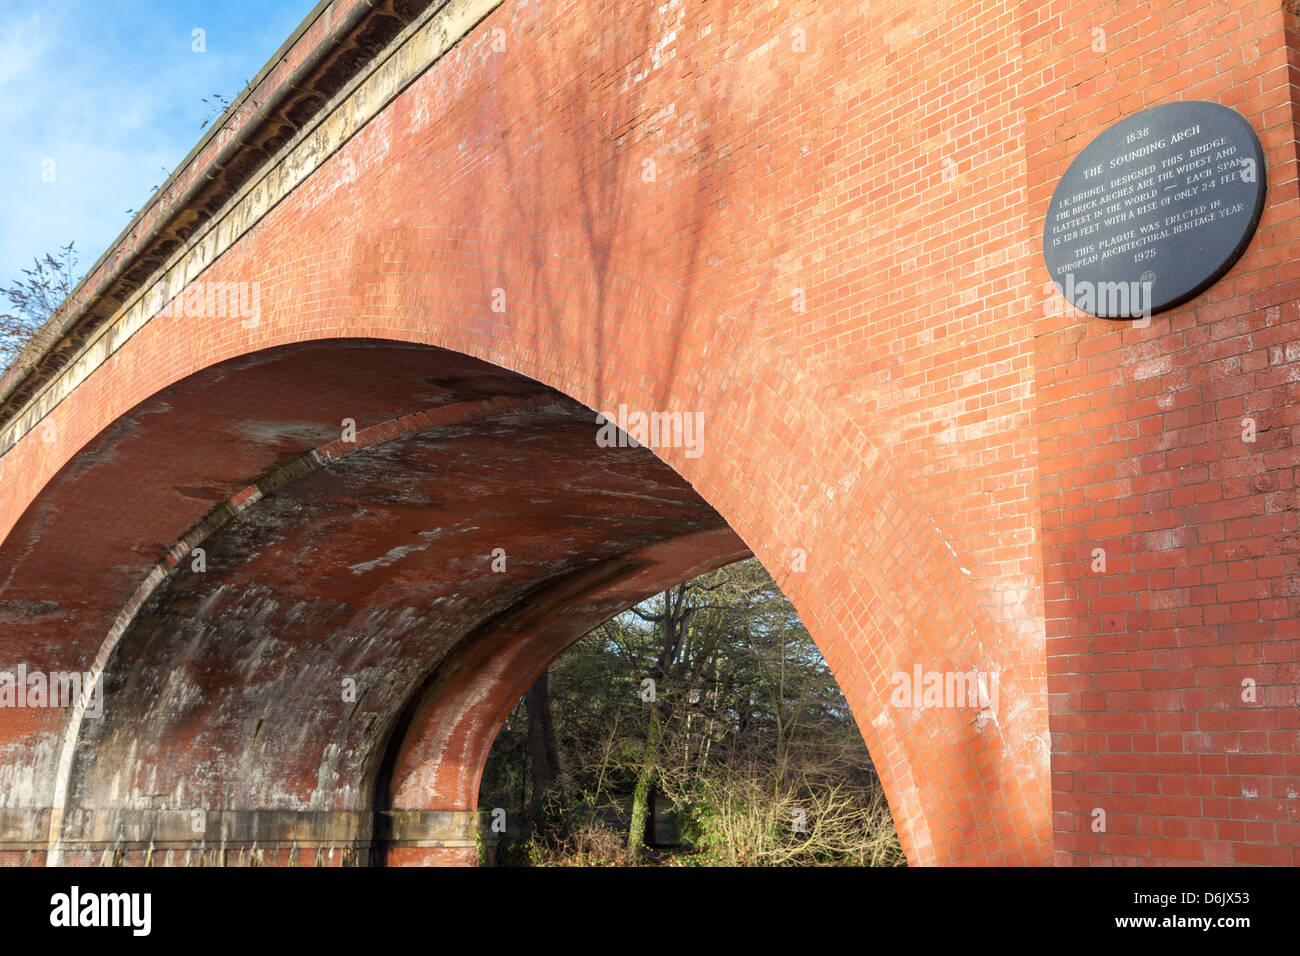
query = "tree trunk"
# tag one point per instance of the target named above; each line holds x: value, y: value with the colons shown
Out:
x: 544, y: 763
x: 645, y: 781
x: 671, y: 622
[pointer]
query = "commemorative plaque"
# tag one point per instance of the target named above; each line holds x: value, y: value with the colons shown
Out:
x: 1155, y: 210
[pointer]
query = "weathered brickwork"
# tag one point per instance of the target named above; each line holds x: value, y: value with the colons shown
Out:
x: 1140, y: 442
x: 818, y: 224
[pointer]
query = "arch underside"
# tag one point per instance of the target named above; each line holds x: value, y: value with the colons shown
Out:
x: 439, y: 562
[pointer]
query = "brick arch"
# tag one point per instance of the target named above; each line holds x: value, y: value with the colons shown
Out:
x: 436, y: 761
x: 452, y: 170
x: 882, y: 589
x: 888, y: 167
x: 187, y: 721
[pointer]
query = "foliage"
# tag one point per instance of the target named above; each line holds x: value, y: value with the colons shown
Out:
x: 746, y: 727
x: 216, y: 107
x: 755, y: 815
x: 34, y: 299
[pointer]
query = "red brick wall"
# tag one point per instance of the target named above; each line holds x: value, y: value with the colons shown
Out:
x: 838, y: 262
x: 1141, y: 454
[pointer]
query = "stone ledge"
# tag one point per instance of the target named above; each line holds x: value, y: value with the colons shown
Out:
x: 24, y: 829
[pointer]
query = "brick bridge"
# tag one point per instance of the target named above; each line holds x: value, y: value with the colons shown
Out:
x: 305, y: 470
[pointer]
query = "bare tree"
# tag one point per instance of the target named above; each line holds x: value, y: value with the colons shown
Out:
x: 34, y: 298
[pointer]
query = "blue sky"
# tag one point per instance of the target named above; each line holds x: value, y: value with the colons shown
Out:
x: 111, y: 91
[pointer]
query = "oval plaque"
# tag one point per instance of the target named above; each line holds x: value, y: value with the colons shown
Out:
x: 1155, y: 210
